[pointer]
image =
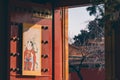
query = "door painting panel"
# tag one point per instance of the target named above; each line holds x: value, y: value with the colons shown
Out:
x: 31, y: 54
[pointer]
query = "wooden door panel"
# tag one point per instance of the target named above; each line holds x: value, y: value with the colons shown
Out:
x: 17, y: 18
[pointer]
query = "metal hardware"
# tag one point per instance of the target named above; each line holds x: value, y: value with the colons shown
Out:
x: 44, y: 70
x: 14, y: 69
x: 14, y: 54
x: 44, y: 56
x: 44, y: 42
x: 15, y: 38
x: 44, y: 27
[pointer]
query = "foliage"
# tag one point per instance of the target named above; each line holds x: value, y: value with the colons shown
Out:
x: 81, y: 38
x: 96, y: 28
x: 112, y: 13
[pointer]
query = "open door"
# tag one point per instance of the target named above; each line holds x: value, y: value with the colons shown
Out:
x: 42, y: 27
x: 53, y: 58
x: 108, y: 50
x: 30, y: 50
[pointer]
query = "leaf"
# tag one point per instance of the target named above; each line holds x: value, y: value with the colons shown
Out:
x: 92, y: 10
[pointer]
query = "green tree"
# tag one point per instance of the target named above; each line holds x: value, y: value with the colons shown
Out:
x: 95, y: 30
x: 112, y: 13
x: 96, y: 27
x: 81, y: 38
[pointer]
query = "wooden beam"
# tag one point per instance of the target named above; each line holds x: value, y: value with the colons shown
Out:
x: 61, y: 3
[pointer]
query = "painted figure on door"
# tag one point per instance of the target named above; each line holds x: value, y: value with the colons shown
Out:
x: 29, y: 57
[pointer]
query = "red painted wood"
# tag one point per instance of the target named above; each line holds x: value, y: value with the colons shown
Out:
x: 58, y: 46
x: 25, y: 17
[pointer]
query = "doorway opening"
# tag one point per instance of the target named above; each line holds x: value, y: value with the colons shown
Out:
x: 86, y: 44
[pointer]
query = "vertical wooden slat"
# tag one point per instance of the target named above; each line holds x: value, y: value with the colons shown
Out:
x: 109, y: 51
x: 117, y: 52
x: 65, y: 43
x: 58, y: 46
x: 113, y: 51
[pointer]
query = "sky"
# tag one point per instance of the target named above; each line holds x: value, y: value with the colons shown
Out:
x: 78, y: 19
